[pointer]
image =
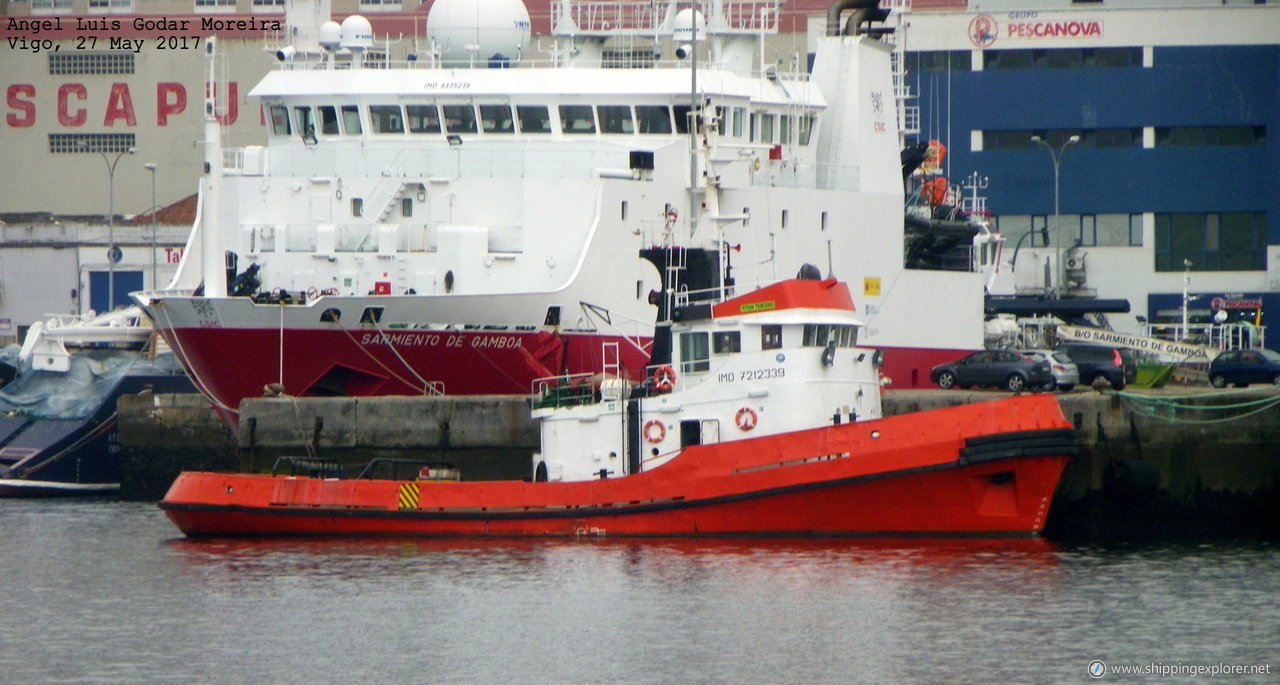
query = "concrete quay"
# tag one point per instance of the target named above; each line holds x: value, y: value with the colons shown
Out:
x: 1154, y: 462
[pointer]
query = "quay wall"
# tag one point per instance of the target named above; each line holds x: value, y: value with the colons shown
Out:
x: 1152, y: 463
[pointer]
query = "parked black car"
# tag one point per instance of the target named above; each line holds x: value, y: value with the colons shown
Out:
x: 1116, y: 365
x: 1001, y: 368
x: 1242, y: 367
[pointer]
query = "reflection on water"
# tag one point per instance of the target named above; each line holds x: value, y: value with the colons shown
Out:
x: 120, y: 596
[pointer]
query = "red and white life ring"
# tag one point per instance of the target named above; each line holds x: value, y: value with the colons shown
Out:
x: 654, y: 431
x: 664, y: 378
x: 746, y: 418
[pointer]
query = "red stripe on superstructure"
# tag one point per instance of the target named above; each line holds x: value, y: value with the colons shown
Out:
x: 794, y: 294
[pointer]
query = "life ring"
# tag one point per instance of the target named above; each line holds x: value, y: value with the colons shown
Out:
x: 664, y: 378
x: 671, y: 216
x: 654, y: 431
x: 746, y: 418
x: 313, y: 292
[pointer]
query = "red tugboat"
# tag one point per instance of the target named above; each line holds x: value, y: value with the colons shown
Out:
x: 762, y: 418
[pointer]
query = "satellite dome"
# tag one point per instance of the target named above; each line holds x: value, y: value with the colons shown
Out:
x: 490, y: 33
x: 330, y: 35
x: 688, y: 25
x: 357, y: 33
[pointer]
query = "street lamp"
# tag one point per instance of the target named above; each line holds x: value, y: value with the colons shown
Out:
x: 112, y: 255
x: 151, y: 166
x: 1056, y: 157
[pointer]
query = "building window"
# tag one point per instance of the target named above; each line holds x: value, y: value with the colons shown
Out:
x: 111, y: 6
x: 212, y: 5
x: 1195, y: 136
x: 78, y: 143
x: 939, y: 60
x: 1094, y: 137
x: 380, y: 5
x: 91, y: 63
x: 1227, y: 241
x: 51, y: 6
x: 268, y: 5
x: 1062, y: 58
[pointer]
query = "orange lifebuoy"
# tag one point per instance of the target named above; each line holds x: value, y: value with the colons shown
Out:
x: 664, y: 378
x: 746, y: 418
x: 654, y: 431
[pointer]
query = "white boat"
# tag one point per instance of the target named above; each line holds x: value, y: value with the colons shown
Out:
x: 485, y: 214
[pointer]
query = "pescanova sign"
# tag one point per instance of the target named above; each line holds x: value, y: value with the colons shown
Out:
x: 1168, y: 349
x: 985, y: 29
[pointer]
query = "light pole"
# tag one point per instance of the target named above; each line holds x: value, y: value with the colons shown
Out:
x: 1056, y: 157
x: 151, y: 166
x: 112, y: 256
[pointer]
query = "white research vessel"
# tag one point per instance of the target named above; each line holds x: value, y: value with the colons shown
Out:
x: 473, y: 219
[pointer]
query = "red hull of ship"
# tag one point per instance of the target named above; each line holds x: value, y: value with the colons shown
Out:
x: 986, y: 469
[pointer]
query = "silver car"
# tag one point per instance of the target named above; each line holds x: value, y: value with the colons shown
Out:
x: 1065, y: 373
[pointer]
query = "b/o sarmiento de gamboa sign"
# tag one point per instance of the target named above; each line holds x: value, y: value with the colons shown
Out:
x: 1167, y: 349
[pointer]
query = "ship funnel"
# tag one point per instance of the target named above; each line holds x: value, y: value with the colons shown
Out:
x: 864, y: 11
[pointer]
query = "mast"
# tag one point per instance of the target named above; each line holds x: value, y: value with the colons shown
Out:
x: 212, y: 263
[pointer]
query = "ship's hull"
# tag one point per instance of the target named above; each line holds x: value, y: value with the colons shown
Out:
x: 987, y: 469
x: 45, y: 457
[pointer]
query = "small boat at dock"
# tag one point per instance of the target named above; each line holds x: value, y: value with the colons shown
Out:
x: 760, y: 415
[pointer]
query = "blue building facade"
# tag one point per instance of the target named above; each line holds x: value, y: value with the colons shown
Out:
x: 1168, y: 154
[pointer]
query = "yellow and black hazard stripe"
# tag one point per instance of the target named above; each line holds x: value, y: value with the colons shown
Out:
x: 409, y: 493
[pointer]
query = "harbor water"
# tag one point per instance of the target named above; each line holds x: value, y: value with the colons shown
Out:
x: 110, y: 592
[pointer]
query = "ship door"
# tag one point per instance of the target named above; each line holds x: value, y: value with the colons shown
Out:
x: 710, y: 431
x: 690, y: 432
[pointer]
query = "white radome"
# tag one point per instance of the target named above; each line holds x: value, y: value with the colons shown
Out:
x: 479, y: 33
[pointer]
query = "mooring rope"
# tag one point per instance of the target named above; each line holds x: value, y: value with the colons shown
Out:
x: 1167, y: 408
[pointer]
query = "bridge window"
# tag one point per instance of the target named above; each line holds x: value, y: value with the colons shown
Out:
x: 460, y: 119
x: 302, y: 117
x: 653, y: 118
x: 577, y: 119
x: 821, y: 335
x: 328, y: 120
x: 533, y: 118
x: 351, y: 120
x: 683, y: 113
x: 694, y: 353
x: 726, y: 342
x: 805, y: 130
x: 770, y: 337
x: 615, y: 119
x: 386, y: 119
x: 279, y: 120
x: 497, y: 119
x: 423, y: 118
